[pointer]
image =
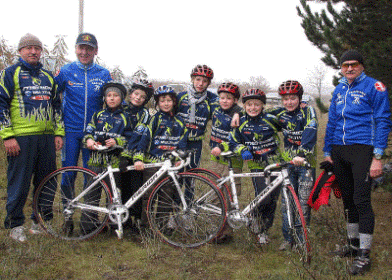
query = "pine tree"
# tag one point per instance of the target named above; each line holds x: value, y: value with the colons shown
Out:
x: 362, y: 25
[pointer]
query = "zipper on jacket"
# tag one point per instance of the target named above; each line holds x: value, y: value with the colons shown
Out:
x: 344, y: 119
x: 85, y: 98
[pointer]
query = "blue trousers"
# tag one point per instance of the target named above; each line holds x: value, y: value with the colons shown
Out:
x: 302, y: 182
x: 71, y: 150
x: 37, y: 158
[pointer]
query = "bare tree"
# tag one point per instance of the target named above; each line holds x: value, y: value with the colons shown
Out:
x: 7, y: 54
x: 316, y: 77
x: 256, y: 82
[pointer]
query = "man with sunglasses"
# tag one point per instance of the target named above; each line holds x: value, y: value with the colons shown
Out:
x: 355, y: 139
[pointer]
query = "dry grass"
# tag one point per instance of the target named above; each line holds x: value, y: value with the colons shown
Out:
x: 145, y: 257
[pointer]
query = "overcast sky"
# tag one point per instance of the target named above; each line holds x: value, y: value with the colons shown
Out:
x: 237, y: 39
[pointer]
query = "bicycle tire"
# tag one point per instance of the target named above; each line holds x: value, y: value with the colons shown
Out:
x: 200, y: 223
x: 297, y: 226
x: 225, y: 188
x: 55, y: 213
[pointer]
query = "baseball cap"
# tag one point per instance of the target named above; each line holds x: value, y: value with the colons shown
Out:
x: 87, y: 39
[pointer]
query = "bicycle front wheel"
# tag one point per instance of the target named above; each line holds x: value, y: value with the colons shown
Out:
x: 297, y: 225
x: 71, y: 205
x: 188, y: 216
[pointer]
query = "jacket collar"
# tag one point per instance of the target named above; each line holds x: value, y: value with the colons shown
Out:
x: 357, y: 79
x: 84, y: 67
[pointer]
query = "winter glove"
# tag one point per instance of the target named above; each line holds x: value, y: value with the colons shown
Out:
x: 124, y: 162
x: 246, y: 155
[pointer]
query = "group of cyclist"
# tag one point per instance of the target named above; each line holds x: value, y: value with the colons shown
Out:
x: 96, y: 110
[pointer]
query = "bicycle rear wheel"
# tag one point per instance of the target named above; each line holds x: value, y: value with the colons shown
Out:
x: 297, y: 225
x: 61, y: 215
x: 194, y: 225
x: 224, y: 188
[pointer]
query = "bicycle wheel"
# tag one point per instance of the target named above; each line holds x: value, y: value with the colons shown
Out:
x: 297, y: 225
x: 194, y: 225
x: 63, y: 216
x: 225, y: 188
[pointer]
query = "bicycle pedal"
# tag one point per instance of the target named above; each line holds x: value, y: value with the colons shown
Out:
x: 119, y: 233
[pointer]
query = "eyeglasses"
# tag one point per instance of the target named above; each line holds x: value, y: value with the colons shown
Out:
x: 353, y: 65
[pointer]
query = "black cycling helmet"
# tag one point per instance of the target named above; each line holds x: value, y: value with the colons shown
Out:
x: 230, y: 88
x: 254, y: 93
x: 202, y: 70
x: 291, y: 87
x: 144, y: 85
x: 117, y: 87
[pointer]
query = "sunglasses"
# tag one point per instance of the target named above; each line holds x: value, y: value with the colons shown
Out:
x: 353, y: 65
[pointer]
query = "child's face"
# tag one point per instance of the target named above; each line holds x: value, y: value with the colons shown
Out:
x: 226, y: 100
x: 290, y: 102
x: 200, y: 83
x: 165, y: 103
x: 137, y: 97
x: 253, y: 107
x: 113, y: 99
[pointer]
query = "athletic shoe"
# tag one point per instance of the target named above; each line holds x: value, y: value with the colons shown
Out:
x: 360, y: 265
x: 17, y: 234
x: 254, y: 226
x: 346, y: 251
x: 286, y: 245
x: 35, y: 229
x: 263, y: 239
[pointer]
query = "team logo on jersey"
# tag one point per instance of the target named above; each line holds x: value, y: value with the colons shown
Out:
x: 36, y: 81
x: 380, y: 87
x: 40, y: 97
x: 217, y: 123
x: 107, y: 127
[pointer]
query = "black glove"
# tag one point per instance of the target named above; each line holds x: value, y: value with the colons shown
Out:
x: 124, y: 162
x: 327, y: 166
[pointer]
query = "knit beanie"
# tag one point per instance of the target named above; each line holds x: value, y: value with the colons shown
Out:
x: 29, y: 40
x: 351, y: 55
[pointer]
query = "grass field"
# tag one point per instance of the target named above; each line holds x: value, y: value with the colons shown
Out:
x: 145, y: 257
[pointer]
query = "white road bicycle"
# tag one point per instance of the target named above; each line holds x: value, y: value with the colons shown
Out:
x: 74, y: 203
x: 237, y: 218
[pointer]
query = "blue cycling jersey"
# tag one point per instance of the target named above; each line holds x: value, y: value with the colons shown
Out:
x: 359, y: 114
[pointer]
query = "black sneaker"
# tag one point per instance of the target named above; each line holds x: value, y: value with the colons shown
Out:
x: 346, y: 251
x: 360, y: 265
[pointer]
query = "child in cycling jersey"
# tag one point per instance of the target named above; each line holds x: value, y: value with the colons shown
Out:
x: 165, y: 132
x: 195, y: 106
x: 257, y: 142
x: 108, y: 127
x: 139, y: 94
x: 229, y: 94
x: 299, y: 128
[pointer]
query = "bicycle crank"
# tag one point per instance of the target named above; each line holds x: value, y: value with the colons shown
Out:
x: 236, y: 219
x: 118, y: 211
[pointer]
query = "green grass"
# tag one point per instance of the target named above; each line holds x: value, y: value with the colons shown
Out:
x: 145, y: 257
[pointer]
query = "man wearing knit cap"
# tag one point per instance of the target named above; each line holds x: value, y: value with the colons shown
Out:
x: 31, y: 127
x: 355, y: 139
x: 80, y: 82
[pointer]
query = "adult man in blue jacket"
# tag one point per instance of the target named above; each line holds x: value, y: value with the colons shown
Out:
x: 80, y: 83
x: 356, y: 136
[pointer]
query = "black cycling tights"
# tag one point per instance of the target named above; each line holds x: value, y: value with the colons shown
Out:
x: 351, y: 168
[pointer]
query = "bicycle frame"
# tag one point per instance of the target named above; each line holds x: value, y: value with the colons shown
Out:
x: 117, y: 207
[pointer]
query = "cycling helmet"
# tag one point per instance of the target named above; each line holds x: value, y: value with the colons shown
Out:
x: 165, y: 90
x: 202, y: 70
x: 144, y: 85
x: 254, y: 93
x: 230, y: 88
x: 291, y: 87
x: 118, y: 87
